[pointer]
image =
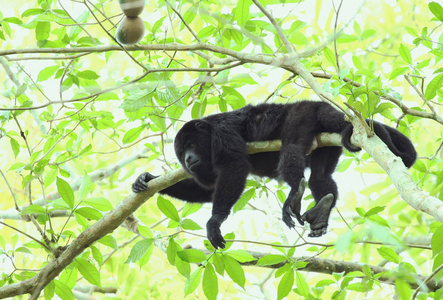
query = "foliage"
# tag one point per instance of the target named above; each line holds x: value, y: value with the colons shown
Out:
x: 81, y: 116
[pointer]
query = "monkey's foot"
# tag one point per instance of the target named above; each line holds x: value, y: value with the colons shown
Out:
x: 292, y: 205
x: 318, y: 216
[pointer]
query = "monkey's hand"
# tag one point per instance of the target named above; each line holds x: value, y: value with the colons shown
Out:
x: 214, y: 233
x: 292, y: 205
x: 141, y: 183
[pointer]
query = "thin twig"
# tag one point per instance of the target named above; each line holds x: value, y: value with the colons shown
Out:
x: 289, y: 46
x: 184, y: 22
x: 420, y: 94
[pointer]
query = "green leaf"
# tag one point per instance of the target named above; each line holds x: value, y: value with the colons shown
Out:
x: 241, y: 14
x: 233, y: 97
x: 49, y: 290
x: 389, y: 254
x: 32, y: 209
x: 302, y: 285
x: 412, y: 31
x: 32, y: 12
x: 271, y: 259
x: 244, y: 199
x: 97, y: 255
x: 23, y: 250
x: 21, y: 90
x: 88, y: 74
x: 65, y: 191
x: 378, y: 220
x: 330, y: 56
x: 190, y: 14
x: 191, y: 255
x: 285, y: 284
x: 168, y: 209
x: 432, y: 87
x: 375, y: 210
x: 357, y: 62
x: 140, y: 248
x: 193, y: 281
x: 89, y: 213
x: 360, y: 211
x: 15, y: 146
x: 183, y: 267
x: 188, y: 224
x: 171, y: 251
x: 234, y: 270
x: 159, y: 122
x: 88, y: 271
x: 85, y: 188
x: 405, y: 54
x: 367, y: 33
x: 283, y: 269
x: 402, y: 289
x: 437, y: 241
x: 132, y: 134
x: 42, y: 31
x: 145, y: 258
x: 436, y: 10
x: 63, y: 291
x: 69, y: 277
x: 344, y: 164
x: 190, y: 208
x: 438, y: 261
x: 99, y: 203
x: 210, y: 282
x: 109, y: 241
x: 145, y: 231
x: 241, y: 255
x: 219, y: 265
x: 346, y: 38
x: 17, y: 166
x: 47, y: 73
x: 137, y: 100
x: 397, y: 72
x: 324, y: 282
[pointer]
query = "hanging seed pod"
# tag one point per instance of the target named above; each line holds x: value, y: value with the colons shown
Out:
x: 130, y: 31
x: 132, y: 8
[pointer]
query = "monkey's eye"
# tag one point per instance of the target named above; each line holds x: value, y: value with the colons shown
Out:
x: 191, y: 145
x: 198, y: 125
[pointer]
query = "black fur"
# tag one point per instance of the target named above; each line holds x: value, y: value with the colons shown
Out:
x: 213, y: 151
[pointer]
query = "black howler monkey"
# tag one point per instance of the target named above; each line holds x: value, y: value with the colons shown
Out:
x: 213, y: 151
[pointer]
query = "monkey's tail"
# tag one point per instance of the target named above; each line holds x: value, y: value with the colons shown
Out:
x: 396, y: 141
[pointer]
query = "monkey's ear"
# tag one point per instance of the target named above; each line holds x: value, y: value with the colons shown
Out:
x: 202, y: 125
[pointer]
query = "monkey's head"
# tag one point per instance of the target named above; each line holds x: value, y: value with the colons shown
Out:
x: 193, y: 149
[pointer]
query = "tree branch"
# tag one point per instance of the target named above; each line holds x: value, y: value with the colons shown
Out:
x: 398, y: 173
x: 95, y: 176
x: 330, y: 266
x: 399, y: 103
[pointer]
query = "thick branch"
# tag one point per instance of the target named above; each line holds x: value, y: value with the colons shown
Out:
x: 329, y: 266
x: 398, y: 173
x: 102, y: 227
